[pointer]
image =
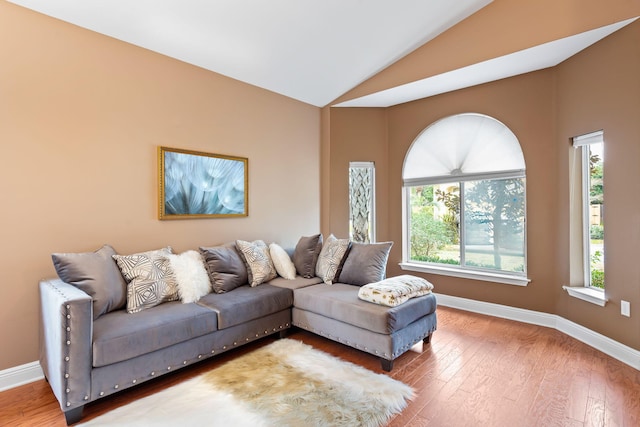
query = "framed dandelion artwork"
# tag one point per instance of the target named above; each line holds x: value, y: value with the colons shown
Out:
x: 202, y: 185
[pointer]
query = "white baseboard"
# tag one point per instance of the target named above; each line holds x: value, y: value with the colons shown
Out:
x: 29, y: 372
x: 19, y: 375
x: 598, y: 341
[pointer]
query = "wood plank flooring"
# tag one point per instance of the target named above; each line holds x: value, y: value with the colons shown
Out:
x: 477, y: 371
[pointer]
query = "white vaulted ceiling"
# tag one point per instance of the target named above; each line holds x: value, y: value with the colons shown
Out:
x: 309, y: 50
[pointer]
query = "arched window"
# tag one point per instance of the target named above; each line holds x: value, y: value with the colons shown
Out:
x: 464, y: 200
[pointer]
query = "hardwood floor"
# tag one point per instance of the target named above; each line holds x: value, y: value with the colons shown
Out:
x: 477, y: 371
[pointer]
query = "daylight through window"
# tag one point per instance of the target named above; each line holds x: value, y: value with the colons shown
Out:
x: 588, y: 206
x: 465, y: 203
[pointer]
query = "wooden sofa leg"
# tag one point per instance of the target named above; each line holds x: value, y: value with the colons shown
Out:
x: 74, y: 415
x: 427, y: 339
x: 387, y: 365
x: 283, y: 333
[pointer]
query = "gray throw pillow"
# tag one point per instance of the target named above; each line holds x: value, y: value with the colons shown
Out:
x: 306, y: 255
x: 365, y: 263
x: 225, y: 266
x: 95, y: 273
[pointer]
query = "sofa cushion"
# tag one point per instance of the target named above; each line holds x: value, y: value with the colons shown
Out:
x: 225, y: 266
x: 247, y: 303
x: 297, y: 282
x: 95, y: 273
x: 365, y: 263
x: 305, y: 255
x: 120, y: 336
x: 340, y: 302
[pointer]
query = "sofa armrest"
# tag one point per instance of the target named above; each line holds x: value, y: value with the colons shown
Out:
x: 66, y: 329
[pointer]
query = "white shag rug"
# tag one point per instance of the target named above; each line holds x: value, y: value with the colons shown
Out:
x: 286, y: 383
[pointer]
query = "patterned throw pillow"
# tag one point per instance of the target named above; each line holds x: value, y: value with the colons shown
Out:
x: 260, y: 268
x: 150, y: 279
x: 331, y: 258
x: 282, y: 261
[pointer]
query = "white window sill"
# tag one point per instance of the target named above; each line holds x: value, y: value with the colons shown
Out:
x: 466, y: 274
x: 594, y: 296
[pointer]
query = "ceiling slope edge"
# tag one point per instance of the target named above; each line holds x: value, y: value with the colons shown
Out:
x: 532, y: 59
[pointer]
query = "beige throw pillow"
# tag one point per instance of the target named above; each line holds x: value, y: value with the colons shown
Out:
x: 282, y: 262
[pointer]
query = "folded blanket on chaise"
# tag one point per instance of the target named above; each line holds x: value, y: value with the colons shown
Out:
x: 395, y: 290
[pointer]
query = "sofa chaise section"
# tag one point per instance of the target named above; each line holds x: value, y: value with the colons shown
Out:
x: 336, y: 312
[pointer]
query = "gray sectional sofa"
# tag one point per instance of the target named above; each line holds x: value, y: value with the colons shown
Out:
x: 86, y: 356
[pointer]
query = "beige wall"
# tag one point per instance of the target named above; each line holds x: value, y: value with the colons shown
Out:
x: 81, y: 117
x: 357, y: 135
x: 600, y: 89
x: 596, y: 89
x: 528, y: 114
x: 524, y: 105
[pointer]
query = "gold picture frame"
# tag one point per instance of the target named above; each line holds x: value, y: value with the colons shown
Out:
x: 195, y: 184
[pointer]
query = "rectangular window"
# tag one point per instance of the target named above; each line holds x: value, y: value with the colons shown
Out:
x: 434, y: 218
x: 494, y: 224
x: 362, y: 202
x: 477, y: 225
x: 587, y: 210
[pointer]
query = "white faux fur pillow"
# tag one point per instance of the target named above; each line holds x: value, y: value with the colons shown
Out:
x: 282, y: 261
x: 191, y: 276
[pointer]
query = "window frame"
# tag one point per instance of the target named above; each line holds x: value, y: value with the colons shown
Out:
x: 586, y: 234
x: 457, y: 167
x: 581, y: 287
x: 462, y: 271
x: 584, y: 143
x: 470, y: 137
